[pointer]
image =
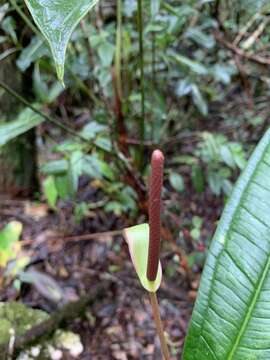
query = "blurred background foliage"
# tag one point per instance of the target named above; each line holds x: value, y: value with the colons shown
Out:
x: 206, y: 87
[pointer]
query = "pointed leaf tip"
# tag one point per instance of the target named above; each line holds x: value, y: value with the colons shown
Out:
x: 57, y: 20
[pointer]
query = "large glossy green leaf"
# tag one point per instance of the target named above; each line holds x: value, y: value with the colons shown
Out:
x: 231, y: 318
x: 56, y: 19
x: 25, y: 121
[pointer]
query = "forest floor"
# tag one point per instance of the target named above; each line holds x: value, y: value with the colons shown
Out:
x: 78, y: 257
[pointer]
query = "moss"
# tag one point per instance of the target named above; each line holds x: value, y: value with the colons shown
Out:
x: 18, y: 318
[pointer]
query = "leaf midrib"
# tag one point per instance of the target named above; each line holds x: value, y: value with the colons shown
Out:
x: 250, y: 310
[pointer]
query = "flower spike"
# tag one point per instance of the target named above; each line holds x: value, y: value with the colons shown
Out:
x: 156, y: 182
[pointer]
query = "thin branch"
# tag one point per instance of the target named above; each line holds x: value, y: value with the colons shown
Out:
x: 39, y: 112
x: 25, y: 18
x: 244, y: 30
x: 244, y: 54
x: 86, y: 237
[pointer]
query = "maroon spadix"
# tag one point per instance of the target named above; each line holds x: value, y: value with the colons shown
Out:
x: 156, y: 181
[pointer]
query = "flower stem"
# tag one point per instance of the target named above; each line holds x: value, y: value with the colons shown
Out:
x: 159, y: 327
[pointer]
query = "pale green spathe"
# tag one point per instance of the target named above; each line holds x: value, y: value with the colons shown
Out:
x: 137, y: 238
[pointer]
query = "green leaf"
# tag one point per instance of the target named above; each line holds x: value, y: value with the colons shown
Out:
x: 154, y: 7
x: 183, y: 87
x: 197, y: 178
x: 44, y: 93
x: 35, y: 50
x: 92, y: 129
x: 25, y: 121
x: 62, y: 186
x: 75, y: 170
x: 231, y: 316
x: 192, y: 65
x: 199, y: 100
x: 137, y: 238
x: 9, y: 26
x: 106, y: 53
x: 55, y: 167
x: 200, y: 37
x: 9, y: 242
x: 96, y: 168
x: 177, y: 182
x: 50, y: 191
x: 223, y: 73
x: 43, y: 283
x: 57, y: 20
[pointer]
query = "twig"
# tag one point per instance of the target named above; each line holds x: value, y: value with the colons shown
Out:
x: 24, y: 17
x: 244, y: 54
x: 255, y: 35
x: 7, y: 53
x: 89, y: 236
x: 244, y: 30
x: 160, y: 331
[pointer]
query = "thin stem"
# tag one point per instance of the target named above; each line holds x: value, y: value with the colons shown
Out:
x: 24, y: 17
x: 118, y: 52
x: 153, y: 78
x: 142, y: 118
x: 159, y: 326
x: 37, y: 111
x: 154, y: 59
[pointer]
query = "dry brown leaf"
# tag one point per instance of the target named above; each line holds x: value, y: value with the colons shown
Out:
x: 36, y: 211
